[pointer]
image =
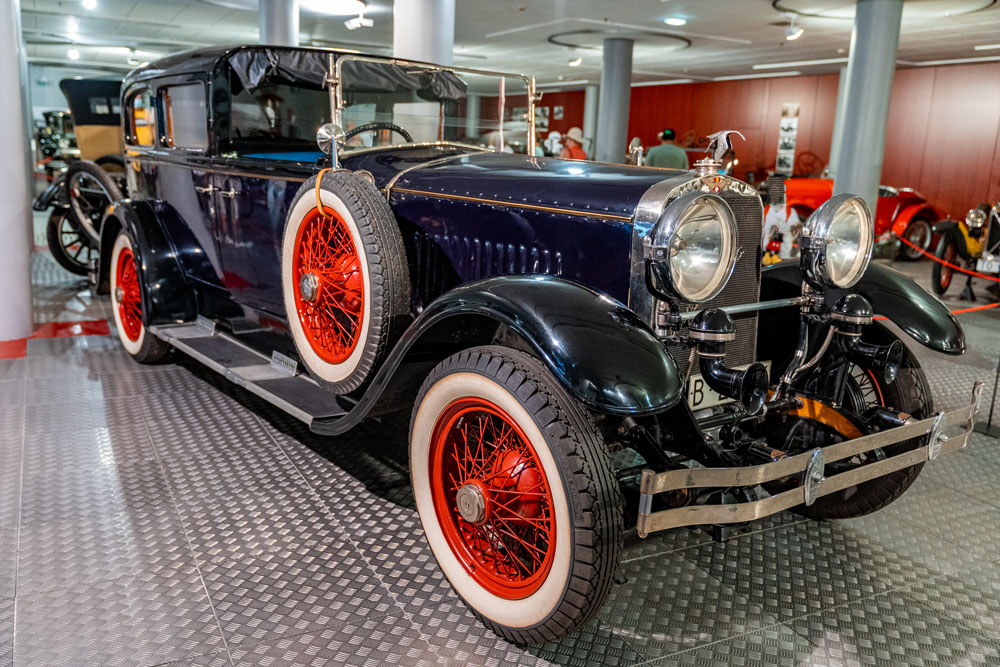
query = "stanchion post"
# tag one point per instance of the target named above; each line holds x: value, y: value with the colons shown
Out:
x: 987, y: 427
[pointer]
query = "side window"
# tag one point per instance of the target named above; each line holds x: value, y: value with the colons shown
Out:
x: 276, y: 120
x: 185, y: 116
x: 141, y: 121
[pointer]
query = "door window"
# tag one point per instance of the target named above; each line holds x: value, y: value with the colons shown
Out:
x: 141, y: 119
x: 277, y: 120
x: 186, y: 116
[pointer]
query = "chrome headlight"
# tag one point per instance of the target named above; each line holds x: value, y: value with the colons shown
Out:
x: 836, y: 243
x: 975, y: 218
x: 692, y: 247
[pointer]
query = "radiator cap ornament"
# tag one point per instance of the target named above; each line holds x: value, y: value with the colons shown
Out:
x: 719, y: 146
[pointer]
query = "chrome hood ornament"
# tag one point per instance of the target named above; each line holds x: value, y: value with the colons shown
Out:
x: 719, y: 145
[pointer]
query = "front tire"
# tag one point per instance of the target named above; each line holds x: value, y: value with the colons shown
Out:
x: 516, y: 493
x: 126, y: 303
x: 910, y: 393
x: 942, y: 275
x: 70, y: 247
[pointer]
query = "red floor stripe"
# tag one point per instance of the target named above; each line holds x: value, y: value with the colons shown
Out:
x: 65, y: 329
x: 13, y: 349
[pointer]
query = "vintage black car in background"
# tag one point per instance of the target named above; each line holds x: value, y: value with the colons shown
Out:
x: 538, y: 316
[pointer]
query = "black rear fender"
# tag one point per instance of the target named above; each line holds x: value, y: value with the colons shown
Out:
x: 166, y: 295
x: 949, y: 229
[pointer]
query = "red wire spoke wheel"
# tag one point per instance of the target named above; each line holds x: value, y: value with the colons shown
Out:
x: 329, y: 285
x: 946, y: 271
x: 492, y: 498
x: 516, y: 493
x: 345, y: 283
x: 126, y: 304
x: 127, y: 295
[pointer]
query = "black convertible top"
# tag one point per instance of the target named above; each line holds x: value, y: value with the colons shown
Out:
x: 302, y: 66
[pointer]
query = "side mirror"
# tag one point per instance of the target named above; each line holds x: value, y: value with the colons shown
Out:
x: 327, y: 134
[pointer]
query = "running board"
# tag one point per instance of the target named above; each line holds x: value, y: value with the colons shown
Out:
x: 275, y: 379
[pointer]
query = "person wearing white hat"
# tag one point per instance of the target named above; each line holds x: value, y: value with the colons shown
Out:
x: 573, y: 145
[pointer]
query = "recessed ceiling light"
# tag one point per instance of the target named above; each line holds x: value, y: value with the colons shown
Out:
x: 793, y: 33
x: 801, y: 63
x: 675, y: 20
x: 666, y: 82
x: 987, y: 47
x: 576, y: 62
x: 766, y: 75
x: 71, y: 26
x: 73, y: 54
x: 333, y: 7
x: 89, y: 4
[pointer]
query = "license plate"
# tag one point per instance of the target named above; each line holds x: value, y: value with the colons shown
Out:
x: 988, y: 265
x: 701, y: 396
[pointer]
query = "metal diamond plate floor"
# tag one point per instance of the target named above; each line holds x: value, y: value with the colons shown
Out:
x: 161, y: 516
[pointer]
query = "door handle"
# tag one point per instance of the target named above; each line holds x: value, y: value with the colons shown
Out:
x: 208, y: 189
x: 228, y: 193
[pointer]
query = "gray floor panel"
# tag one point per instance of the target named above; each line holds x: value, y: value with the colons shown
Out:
x: 159, y: 515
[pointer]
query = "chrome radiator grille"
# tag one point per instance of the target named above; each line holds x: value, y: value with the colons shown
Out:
x: 743, y: 286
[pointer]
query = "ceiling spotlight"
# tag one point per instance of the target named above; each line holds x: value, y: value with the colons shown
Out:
x: 675, y: 20
x: 333, y: 7
x: 71, y: 26
x: 73, y: 54
x: 791, y: 32
x: 358, y: 21
x: 576, y: 62
x: 89, y: 4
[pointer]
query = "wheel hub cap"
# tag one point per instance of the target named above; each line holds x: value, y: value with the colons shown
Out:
x: 471, y: 503
x: 309, y: 286
x: 119, y: 294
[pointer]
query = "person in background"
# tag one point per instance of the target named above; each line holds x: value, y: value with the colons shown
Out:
x: 573, y: 145
x: 668, y: 154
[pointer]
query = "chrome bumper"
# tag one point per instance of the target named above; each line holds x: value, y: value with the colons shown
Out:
x: 810, y: 467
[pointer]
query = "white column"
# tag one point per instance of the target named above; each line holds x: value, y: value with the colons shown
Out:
x: 279, y: 22
x: 424, y: 30
x: 616, y: 88
x: 591, y: 95
x: 15, y: 165
x: 473, y: 107
x: 838, y: 122
x: 870, y: 68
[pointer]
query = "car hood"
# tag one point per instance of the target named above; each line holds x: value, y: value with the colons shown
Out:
x: 606, y: 190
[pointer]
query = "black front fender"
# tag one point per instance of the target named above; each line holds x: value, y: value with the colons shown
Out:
x: 907, y: 305
x: 166, y: 295
x: 50, y: 194
x: 949, y: 229
x: 599, y: 350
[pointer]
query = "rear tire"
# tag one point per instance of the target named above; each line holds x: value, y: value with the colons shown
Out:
x: 941, y: 275
x: 919, y: 233
x: 126, y: 302
x: 495, y: 422
x: 90, y: 190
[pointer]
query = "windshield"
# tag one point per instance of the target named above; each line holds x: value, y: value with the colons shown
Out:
x: 393, y: 104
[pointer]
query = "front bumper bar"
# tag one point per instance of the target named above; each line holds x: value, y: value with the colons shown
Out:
x: 809, y: 466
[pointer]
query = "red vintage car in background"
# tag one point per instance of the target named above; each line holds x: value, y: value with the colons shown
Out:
x: 903, y: 211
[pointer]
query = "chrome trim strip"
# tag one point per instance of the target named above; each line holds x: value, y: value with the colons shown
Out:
x: 653, y: 483
x: 514, y: 204
x: 750, y: 307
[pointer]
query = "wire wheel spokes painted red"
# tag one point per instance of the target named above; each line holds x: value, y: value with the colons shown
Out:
x: 127, y: 295
x: 327, y: 267
x: 492, y: 498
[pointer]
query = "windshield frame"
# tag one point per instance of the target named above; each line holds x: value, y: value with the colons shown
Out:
x: 337, y: 99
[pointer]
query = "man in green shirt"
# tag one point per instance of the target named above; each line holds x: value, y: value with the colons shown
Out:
x: 667, y: 154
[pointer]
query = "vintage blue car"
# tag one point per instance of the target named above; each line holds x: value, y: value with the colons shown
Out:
x: 347, y: 236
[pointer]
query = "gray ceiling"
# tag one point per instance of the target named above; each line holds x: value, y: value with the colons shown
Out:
x: 721, y: 37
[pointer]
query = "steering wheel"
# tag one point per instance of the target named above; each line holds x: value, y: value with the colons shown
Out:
x: 378, y: 125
